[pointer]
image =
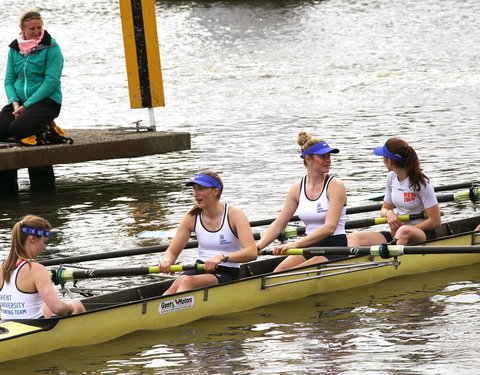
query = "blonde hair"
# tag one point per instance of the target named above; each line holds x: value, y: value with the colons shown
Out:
x: 28, y: 16
x: 195, y: 210
x: 305, y: 141
x: 17, y: 249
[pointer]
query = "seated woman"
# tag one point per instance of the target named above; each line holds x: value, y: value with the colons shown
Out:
x: 408, y: 190
x: 26, y: 290
x: 223, y: 233
x: 32, y: 80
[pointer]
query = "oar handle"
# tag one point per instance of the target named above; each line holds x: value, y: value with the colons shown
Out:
x: 187, y: 267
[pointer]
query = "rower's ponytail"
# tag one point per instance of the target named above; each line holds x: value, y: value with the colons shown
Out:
x: 17, y: 248
x: 410, y: 162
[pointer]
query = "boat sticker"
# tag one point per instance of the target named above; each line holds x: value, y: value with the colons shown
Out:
x: 176, y: 304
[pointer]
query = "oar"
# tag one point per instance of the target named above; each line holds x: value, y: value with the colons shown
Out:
x: 465, y: 195
x: 383, y: 220
x: 461, y: 196
x: 62, y: 275
x: 350, y: 210
x: 288, y: 232
x: 379, y: 250
x: 292, y: 232
x: 120, y: 253
x: 461, y: 185
x: 472, y: 195
x: 112, y: 254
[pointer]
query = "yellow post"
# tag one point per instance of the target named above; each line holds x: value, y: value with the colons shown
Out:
x: 142, y: 53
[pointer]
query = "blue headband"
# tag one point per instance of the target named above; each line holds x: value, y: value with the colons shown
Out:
x: 319, y: 148
x: 383, y: 151
x: 35, y: 231
x: 204, y: 180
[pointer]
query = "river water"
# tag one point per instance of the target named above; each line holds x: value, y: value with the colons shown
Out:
x: 243, y: 78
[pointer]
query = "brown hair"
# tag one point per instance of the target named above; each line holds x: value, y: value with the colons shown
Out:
x: 28, y: 16
x: 305, y: 141
x: 17, y: 250
x: 410, y: 162
x: 195, y: 210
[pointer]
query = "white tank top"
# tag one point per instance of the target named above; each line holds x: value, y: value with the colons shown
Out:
x: 314, y: 212
x: 221, y: 241
x: 16, y: 304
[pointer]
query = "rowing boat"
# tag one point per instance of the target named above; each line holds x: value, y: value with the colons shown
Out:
x: 115, y: 314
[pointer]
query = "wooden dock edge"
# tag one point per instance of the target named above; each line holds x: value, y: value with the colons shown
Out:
x: 89, y: 145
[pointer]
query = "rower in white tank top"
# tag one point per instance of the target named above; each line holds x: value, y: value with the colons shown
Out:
x: 314, y: 212
x: 221, y: 241
x: 16, y: 304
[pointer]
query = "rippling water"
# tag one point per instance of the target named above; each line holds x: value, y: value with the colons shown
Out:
x: 243, y: 77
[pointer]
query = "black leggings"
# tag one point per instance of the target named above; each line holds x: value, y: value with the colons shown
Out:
x: 222, y: 273
x: 332, y: 241
x: 33, y: 121
x: 429, y: 234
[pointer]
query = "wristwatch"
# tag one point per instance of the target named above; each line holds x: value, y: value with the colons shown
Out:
x: 225, y: 258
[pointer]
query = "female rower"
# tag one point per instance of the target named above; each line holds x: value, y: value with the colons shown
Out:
x: 319, y: 199
x: 26, y: 289
x: 223, y: 233
x: 408, y: 190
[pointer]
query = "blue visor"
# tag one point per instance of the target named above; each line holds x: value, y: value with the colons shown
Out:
x: 35, y: 231
x: 204, y: 180
x: 383, y: 151
x: 319, y: 148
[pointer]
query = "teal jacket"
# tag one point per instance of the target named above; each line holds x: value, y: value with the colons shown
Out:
x: 36, y: 77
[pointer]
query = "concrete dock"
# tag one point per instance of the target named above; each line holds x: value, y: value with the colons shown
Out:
x: 88, y: 145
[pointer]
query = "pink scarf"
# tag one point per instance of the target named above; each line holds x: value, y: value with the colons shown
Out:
x: 27, y: 46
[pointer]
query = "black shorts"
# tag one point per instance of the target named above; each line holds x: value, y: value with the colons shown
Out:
x: 429, y: 234
x: 222, y: 273
x: 332, y: 241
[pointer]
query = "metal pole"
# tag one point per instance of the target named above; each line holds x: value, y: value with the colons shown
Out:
x: 151, y: 114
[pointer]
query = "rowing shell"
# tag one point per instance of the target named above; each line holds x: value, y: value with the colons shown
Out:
x: 116, y: 314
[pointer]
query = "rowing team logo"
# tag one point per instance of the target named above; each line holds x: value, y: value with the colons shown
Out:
x: 320, y: 209
x: 176, y: 304
x: 409, y: 196
x: 223, y: 241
